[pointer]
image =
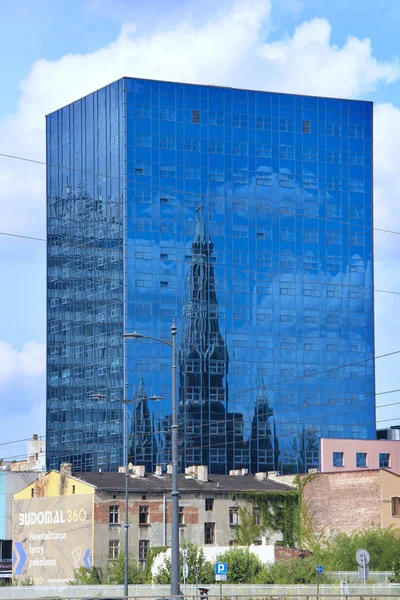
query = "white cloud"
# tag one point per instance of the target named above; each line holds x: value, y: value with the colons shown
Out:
x: 308, y: 63
x: 21, y: 366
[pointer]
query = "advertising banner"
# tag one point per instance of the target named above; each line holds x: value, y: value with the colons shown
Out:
x: 52, y: 537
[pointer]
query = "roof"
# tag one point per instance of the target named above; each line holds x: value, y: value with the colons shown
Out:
x: 155, y: 483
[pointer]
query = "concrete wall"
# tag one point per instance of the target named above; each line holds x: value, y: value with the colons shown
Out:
x: 350, y: 447
x: 345, y: 502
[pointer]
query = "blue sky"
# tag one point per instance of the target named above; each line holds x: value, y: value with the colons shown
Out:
x: 70, y: 47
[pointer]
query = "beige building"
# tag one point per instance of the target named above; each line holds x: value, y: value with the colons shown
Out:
x: 351, y: 501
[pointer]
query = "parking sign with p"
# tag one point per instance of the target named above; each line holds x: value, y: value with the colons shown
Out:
x: 221, y: 571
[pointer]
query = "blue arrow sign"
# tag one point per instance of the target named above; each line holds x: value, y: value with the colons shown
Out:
x: 22, y: 558
x: 319, y: 569
x: 87, y: 559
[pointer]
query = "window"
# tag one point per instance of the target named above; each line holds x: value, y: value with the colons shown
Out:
x: 384, y: 460
x: 209, y: 504
x: 144, y: 546
x: 306, y: 126
x: 144, y: 516
x: 395, y: 507
x: 338, y: 459
x: 257, y: 515
x: 361, y: 459
x: 209, y: 533
x: 113, y: 549
x: 181, y: 515
x: 195, y: 116
x: 113, y: 516
x: 233, y: 516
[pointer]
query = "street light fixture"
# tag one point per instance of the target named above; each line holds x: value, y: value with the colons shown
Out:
x: 126, y: 403
x: 175, y: 588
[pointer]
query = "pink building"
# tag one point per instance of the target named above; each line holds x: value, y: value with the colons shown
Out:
x: 352, y: 455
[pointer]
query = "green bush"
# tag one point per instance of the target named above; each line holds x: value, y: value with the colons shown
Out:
x: 243, y: 565
x: 195, y: 559
x: 116, y: 569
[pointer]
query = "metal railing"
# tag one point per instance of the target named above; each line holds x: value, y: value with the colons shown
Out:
x: 215, y: 592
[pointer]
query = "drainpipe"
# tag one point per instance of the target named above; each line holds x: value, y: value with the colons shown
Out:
x: 164, y: 519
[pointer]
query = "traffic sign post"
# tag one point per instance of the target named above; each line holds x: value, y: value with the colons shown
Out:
x: 185, y: 568
x: 363, y: 558
x: 221, y: 572
x: 319, y: 570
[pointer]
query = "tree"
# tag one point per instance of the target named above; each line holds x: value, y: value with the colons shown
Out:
x: 247, y: 532
x: 243, y: 565
x: 195, y: 559
x: 115, y: 571
x: 382, y: 544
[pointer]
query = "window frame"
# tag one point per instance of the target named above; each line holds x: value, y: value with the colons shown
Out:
x: 361, y: 455
x: 233, y: 516
x: 381, y: 454
x: 395, y: 506
x: 207, y: 503
x: 335, y: 457
x: 143, y: 548
x: 113, y: 549
x: 114, y: 514
x: 144, y: 513
x: 209, y: 526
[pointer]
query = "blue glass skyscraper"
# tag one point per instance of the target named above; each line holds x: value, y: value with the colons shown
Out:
x: 247, y: 217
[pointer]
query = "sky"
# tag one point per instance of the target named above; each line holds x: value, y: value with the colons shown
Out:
x: 53, y: 52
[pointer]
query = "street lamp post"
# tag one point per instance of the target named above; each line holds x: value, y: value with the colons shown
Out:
x: 126, y: 403
x: 175, y: 588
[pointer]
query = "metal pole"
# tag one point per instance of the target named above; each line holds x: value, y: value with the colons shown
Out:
x: 175, y: 589
x: 126, y: 460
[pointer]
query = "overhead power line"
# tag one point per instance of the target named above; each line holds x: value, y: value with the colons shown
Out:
x: 177, y: 190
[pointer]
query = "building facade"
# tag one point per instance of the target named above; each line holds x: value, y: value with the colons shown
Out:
x: 247, y: 217
x: 351, y: 455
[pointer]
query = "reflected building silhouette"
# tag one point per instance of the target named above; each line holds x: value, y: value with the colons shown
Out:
x: 143, y: 446
x: 264, y: 448
x: 203, y: 362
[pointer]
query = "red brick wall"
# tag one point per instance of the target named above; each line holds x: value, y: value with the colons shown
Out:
x: 282, y: 553
x: 343, y: 502
x: 101, y: 511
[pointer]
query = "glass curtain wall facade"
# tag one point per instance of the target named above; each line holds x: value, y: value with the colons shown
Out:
x: 247, y: 217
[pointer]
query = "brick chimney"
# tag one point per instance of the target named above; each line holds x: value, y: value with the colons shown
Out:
x: 158, y: 470
x: 260, y: 476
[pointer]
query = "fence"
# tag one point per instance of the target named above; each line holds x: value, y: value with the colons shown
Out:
x: 229, y: 592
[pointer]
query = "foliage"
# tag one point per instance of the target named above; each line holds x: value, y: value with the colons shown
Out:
x: 243, y: 565
x: 115, y: 571
x: 151, y: 554
x: 84, y: 576
x: 279, y: 512
x: 247, y: 532
x: 195, y: 559
x: 382, y: 544
x: 395, y: 578
x: 294, y: 571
